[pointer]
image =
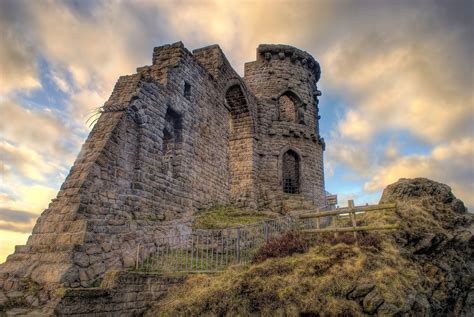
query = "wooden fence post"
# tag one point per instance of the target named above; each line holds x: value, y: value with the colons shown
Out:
x: 318, y: 221
x: 350, y: 204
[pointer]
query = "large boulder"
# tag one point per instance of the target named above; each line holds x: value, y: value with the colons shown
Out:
x: 436, y: 232
x: 422, y: 189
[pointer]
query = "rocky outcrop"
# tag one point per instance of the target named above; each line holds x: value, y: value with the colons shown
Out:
x: 436, y: 234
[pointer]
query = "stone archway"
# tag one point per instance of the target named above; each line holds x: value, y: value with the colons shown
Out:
x: 241, y: 145
x: 291, y: 172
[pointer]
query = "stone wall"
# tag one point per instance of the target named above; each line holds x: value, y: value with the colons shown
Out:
x: 121, y: 293
x: 123, y: 190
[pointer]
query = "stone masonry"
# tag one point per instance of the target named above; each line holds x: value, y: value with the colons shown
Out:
x: 185, y: 133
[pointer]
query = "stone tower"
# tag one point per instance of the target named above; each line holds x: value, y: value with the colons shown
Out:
x: 184, y: 133
x: 284, y: 81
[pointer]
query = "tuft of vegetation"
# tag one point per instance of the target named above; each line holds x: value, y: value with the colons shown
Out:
x: 221, y: 217
x: 285, y: 245
x: 370, y: 242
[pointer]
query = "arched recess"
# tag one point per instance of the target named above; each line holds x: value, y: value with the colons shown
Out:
x: 291, y: 108
x: 241, y: 146
x: 172, y: 138
x: 289, y: 170
x: 241, y: 123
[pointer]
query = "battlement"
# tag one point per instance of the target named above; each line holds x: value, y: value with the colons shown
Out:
x: 268, y: 52
x: 169, y: 53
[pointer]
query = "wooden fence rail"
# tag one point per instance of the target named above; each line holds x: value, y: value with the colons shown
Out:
x: 347, y: 210
x: 351, y: 212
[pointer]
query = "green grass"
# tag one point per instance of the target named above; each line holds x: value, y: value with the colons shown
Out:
x: 221, y: 217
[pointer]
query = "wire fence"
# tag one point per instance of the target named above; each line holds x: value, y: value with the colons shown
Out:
x: 214, y: 250
x: 211, y: 250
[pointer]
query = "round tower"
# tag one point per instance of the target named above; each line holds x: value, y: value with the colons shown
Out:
x: 284, y: 80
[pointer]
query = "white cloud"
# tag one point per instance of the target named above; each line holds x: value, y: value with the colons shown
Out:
x: 42, y: 131
x: 356, y: 126
x: 451, y: 163
x: 399, y: 90
x: 17, y: 55
x: 25, y: 162
x: 60, y: 80
x: 356, y: 156
x: 23, y: 196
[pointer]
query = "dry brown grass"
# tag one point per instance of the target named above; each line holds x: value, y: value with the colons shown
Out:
x: 316, y: 282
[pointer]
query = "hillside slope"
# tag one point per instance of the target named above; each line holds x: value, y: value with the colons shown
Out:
x: 423, y: 269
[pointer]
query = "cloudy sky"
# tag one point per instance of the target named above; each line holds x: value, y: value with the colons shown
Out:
x: 397, y: 84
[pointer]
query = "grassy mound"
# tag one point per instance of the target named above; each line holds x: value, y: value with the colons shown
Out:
x: 222, y: 217
x: 423, y: 269
x: 319, y: 281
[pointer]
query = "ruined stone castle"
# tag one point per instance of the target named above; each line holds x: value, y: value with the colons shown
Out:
x: 185, y: 133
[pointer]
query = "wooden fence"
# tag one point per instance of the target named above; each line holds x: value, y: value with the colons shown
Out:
x: 348, y: 212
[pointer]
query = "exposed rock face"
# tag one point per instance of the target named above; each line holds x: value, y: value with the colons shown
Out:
x: 436, y: 233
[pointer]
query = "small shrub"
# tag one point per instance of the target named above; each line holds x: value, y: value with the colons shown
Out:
x: 286, y: 245
x: 370, y: 241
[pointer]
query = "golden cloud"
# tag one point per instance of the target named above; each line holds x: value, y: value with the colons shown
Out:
x: 451, y: 163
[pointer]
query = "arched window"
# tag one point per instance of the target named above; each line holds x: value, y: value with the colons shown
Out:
x: 291, y: 172
x: 288, y: 109
x: 291, y: 109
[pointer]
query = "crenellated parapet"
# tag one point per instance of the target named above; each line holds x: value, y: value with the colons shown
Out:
x: 268, y: 52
